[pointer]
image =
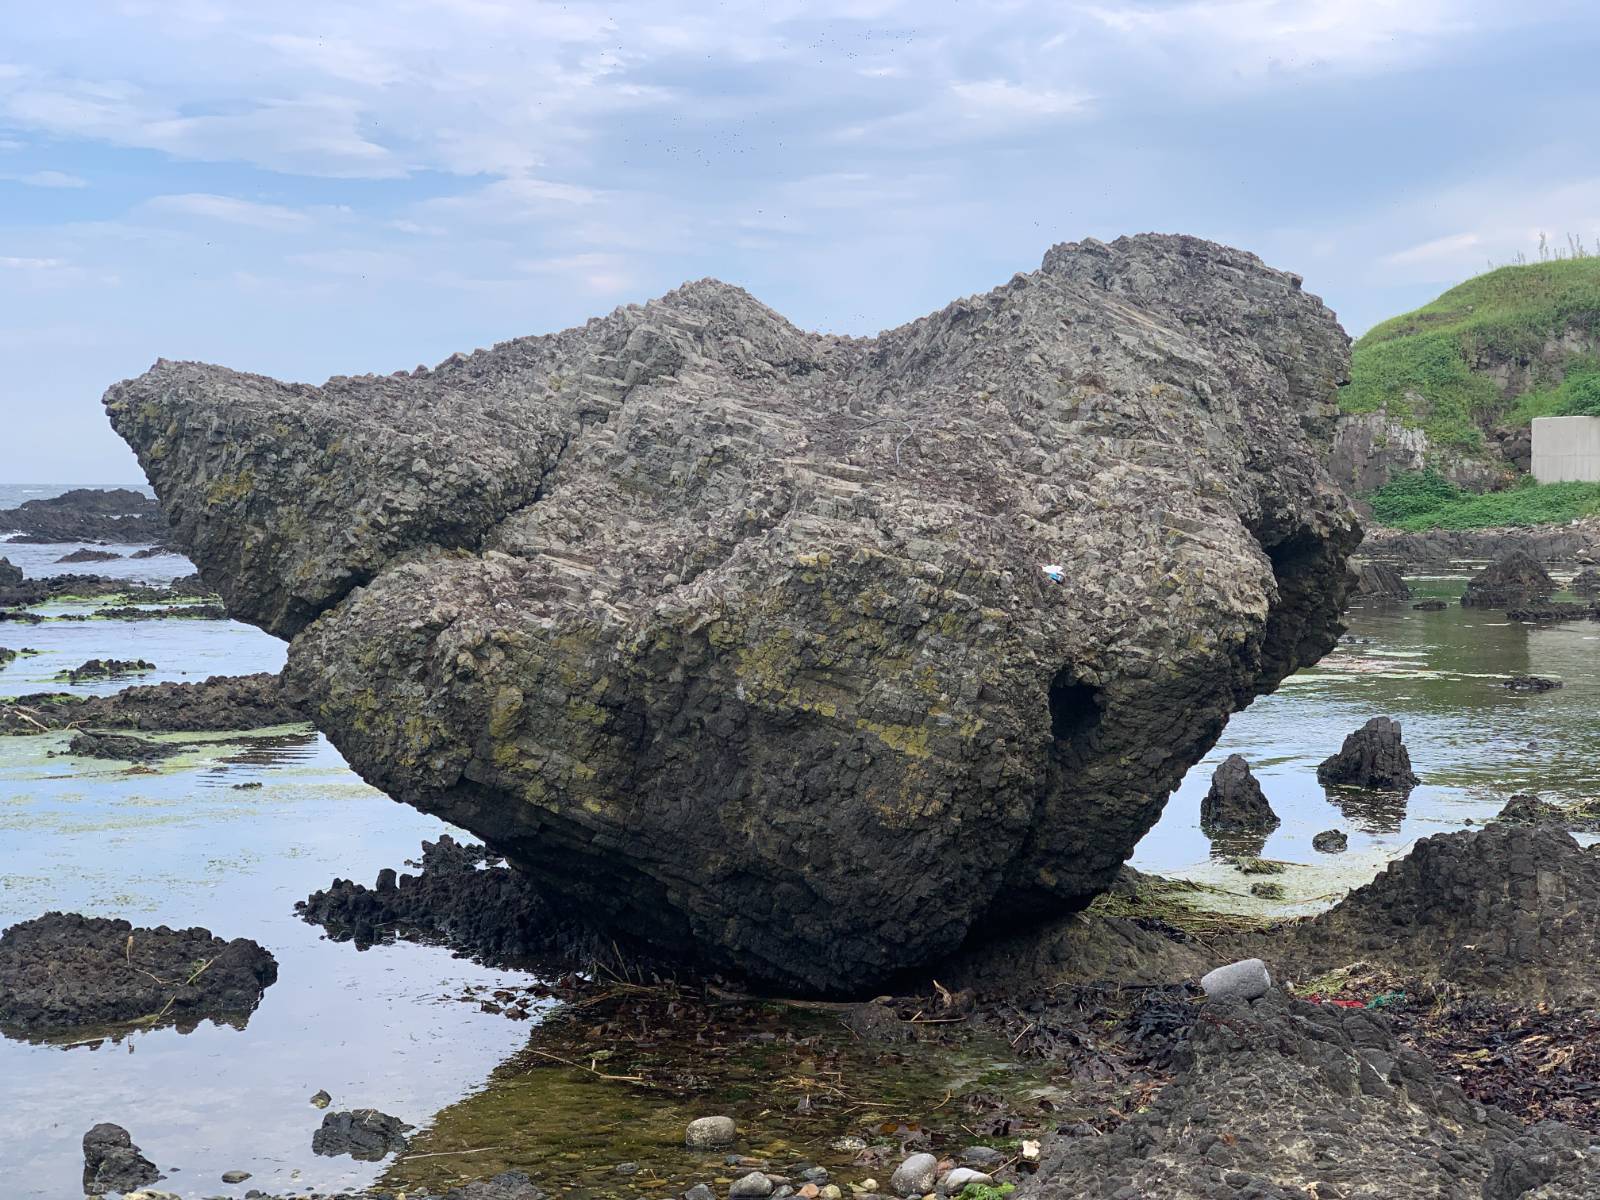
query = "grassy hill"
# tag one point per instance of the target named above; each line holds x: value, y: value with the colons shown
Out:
x: 1488, y: 356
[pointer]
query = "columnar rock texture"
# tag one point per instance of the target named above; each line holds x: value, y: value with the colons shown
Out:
x: 739, y: 639
x: 1373, y: 757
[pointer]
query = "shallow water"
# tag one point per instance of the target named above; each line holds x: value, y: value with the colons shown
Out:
x: 1472, y: 742
x: 387, y: 1028
x: 183, y: 847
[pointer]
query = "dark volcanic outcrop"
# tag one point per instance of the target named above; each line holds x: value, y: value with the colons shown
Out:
x: 10, y: 573
x: 1283, y: 1100
x: 112, y: 1163
x: 1509, y: 910
x: 1514, y: 581
x: 1374, y: 757
x: 799, y: 655
x: 119, y: 515
x: 1380, y: 581
x: 1235, y: 802
x: 63, y: 972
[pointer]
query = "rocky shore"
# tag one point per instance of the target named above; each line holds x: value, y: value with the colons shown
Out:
x: 116, y: 515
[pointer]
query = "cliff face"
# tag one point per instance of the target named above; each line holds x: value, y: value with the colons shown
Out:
x: 795, y: 655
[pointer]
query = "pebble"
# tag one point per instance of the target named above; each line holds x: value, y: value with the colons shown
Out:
x: 830, y: 1191
x: 981, y: 1157
x: 754, y: 1184
x: 699, y: 1192
x: 809, y: 1192
x: 709, y: 1133
x: 815, y: 1174
x: 848, y: 1145
x: 914, y: 1176
x: 1244, y: 980
x: 235, y: 1176
x: 627, y: 1168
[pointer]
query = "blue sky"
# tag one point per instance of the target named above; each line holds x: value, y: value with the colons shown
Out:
x: 311, y: 189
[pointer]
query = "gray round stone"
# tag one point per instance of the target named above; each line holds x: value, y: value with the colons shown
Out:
x: 1247, y: 979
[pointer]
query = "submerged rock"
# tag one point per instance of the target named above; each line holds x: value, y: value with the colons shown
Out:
x: 1380, y: 581
x: 365, y: 1134
x: 1279, y: 1099
x: 1374, y: 757
x: 1235, y: 803
x: 62, y: 972
x: 220, y: 703
x: 106, y: 668
x: 112, y: 1163
x: 666, y: 604
x: 120, y: 746
x: 1331, y: 841
x: 1532, y: 683
x: 1511, y: 582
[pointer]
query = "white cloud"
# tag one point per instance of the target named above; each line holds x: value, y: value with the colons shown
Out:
x: 999, y: 97
x: 1443, y: 249
x: 228, y: 209
x: 13, y: 263
x: 49, y: 179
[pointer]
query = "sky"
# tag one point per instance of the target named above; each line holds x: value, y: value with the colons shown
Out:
x: 309, y: 189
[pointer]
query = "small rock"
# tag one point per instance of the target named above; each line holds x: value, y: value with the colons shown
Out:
x: 112, y: 1163
x: 1267, y: 891
x: 815, y: 1174
x: 830, y: 1191
x: 956, y: 1180
x: 982, y: 1157
x: 848, y: 1144
x: 1030, y: 1150
x: 1331, y: 841
x: 866, y: 1185
x: 365, y: 1134
x: 1532, y: 683
x: 809, y: 1191
x: 627, y: 1168
x: 699, y: 1192
x: 235, y: 1176
x: 710, y: 1133
x: 754, y: 1184
x: 914, y: 1176
x: 321, y: 1100
x: 1244, y: 980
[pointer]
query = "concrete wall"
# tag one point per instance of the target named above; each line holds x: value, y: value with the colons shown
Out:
x: 1566, y: 448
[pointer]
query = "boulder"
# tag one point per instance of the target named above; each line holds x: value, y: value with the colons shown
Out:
x: 1235, y: 803
x: 710, y: 1133
x: 364, y: 1134
x: 1515, y: 580
x: 10, y: 574
x: 915, y: 1175
x: 1331, y: 841
x: 1379, y: 581
x: 730, y: 635
x: 1374, y: 757
x: 1247, y: 979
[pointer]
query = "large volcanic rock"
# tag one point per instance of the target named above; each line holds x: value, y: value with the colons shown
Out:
x: 796, y: 654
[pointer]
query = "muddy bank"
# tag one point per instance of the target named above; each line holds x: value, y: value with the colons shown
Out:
x: 221, y: 703
x: 63, y: 973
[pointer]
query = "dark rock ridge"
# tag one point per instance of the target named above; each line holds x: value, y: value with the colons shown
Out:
x: 106, y: 668
x: 461, y: 895
x: 63, y: 972
x: 121, y: 747
x: 220, y: 703
x: 1380, y: 581
x: 1283, y: 1100
x: 119, y: 515
x: 86, y: 555
x: 732, y: 636
x: 112, y: 1163
x: 1547, y: 544
x: 1373, y: 757
x: 1513, y: 581
x: 1510, y: 910
x: 1235, y: 802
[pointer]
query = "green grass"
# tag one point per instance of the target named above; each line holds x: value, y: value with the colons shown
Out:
x: 1420, y: 366
x: 1426, y: 500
